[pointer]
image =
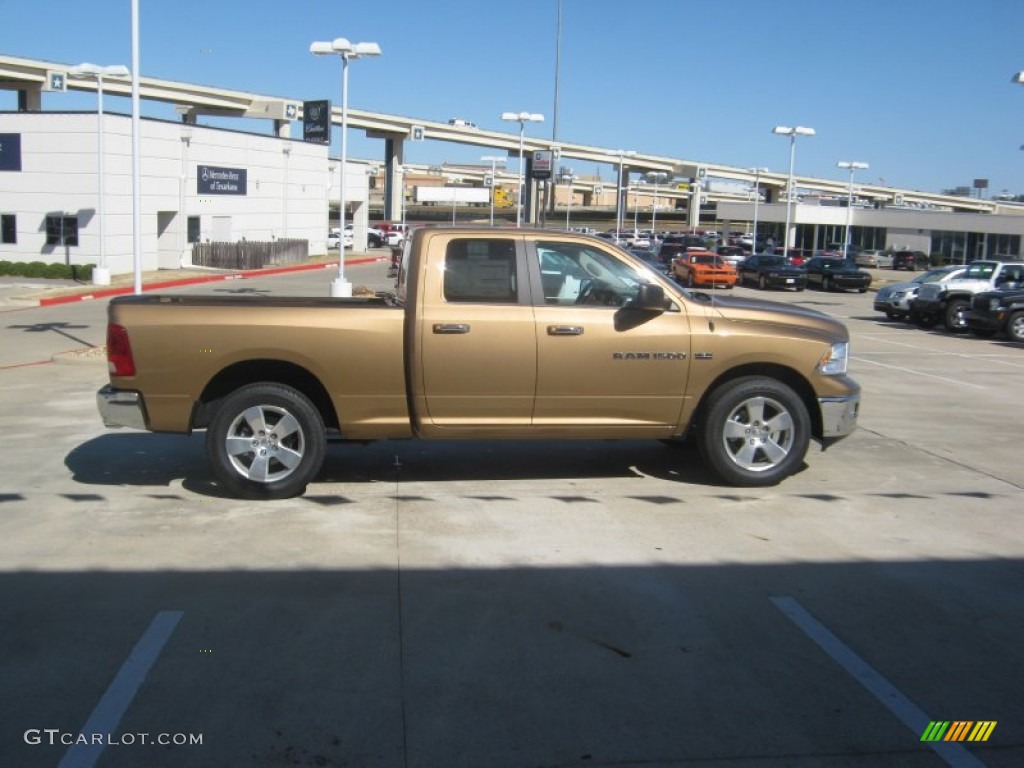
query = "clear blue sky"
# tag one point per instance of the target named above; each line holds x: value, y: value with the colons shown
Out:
x: 920, y: 89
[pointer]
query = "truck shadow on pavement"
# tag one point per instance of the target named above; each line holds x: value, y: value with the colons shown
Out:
x: 157, y: 460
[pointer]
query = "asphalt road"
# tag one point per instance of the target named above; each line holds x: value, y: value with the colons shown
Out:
x: 519, y: 604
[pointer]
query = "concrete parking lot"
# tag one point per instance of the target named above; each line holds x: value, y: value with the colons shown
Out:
x: 516, y: 604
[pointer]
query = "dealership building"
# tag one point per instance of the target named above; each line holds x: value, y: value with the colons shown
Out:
x: 198, y: 184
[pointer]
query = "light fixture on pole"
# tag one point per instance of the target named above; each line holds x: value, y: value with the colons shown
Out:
x: 101, y: 274
x: 494, y: 178
x: 620, y: 213
x: 657, y: 176
x: 851, y: 165
x: 522, y: 118
x: 1018, y: 78
x: 342, y: 47
x: 757, y: 198
x: 784, y: 130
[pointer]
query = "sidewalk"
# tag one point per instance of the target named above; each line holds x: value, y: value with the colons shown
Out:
x: 29, y: 292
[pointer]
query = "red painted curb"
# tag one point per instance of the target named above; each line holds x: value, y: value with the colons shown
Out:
x: 109, y: 292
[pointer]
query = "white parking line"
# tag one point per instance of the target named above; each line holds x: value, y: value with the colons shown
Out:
x: 111, y: 708
x: 888, y: 694
x: 994, y: 357
x: 918, y: 373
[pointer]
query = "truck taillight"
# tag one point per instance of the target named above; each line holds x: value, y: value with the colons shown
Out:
x: 119, y: 351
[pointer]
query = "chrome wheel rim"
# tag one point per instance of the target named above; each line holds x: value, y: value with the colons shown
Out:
x: 759, y: 434
x: 265, y: 443
x: 1017, y: 327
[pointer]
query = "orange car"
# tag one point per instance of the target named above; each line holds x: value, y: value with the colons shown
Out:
x: 700, y: 268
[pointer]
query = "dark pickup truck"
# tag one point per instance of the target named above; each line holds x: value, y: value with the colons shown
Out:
x: 995, y: 311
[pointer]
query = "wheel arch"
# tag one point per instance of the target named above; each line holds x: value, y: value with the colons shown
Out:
x: 788, y: 376
x: 272, y: 371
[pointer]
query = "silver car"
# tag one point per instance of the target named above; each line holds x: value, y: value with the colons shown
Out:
x: 894, y: 300
x: 874, y: 259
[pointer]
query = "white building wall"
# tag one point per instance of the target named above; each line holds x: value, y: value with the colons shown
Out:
x: 287, y: 188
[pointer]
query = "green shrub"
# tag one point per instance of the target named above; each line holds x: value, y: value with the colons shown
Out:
x: 34, y: 269
x: 6, y: 267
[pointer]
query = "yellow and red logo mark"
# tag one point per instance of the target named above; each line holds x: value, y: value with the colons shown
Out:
x: 959, y: 730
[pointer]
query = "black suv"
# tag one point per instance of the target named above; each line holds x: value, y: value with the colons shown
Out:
x: 912, y: 260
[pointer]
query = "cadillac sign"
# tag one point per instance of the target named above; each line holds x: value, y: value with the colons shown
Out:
x: 213, y: 180
x: 316, y: 122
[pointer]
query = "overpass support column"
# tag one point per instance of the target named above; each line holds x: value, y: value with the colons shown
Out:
x: 529, y: 191
x: 30, y: 99
x: 693, y: 214
x: 394, y: 178
x: 283, y: 129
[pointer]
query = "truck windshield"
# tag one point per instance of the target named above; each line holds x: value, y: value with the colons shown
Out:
x: 980, y: 270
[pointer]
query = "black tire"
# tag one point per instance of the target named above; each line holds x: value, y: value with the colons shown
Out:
x: 261, y: 463
x: 1015, y: 327
x: 955, y: 316
x: 755, y: 431
x: 892, y: 314
x: 826, y: 284
x: 690, y: 282
x: 762, y: 283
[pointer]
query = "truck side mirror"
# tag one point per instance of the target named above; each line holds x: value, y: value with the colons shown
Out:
x: 649, y: 297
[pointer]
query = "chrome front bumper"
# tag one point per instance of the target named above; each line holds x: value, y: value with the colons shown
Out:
x: 121, y: 408
x: 838, y: 415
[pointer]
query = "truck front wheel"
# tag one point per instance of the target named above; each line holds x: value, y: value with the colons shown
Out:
x: 1015, y: 327
x: 756, y: 431
x: 956, y: 315
x: 267, y: 441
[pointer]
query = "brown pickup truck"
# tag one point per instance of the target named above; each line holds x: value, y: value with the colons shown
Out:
x: 490, y: 334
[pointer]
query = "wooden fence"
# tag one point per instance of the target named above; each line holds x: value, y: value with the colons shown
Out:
x: 249, y: 254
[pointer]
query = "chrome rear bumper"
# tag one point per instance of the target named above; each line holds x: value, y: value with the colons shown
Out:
x: 121, y: 408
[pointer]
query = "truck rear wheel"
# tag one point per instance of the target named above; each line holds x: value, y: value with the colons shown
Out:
x: 267, y: 441
x: 755, y: 432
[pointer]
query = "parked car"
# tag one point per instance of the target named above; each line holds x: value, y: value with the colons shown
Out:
x: 458, y: 122
x: 703, y: 268
x: 731, y: 254
x: 334, y: 235
x: 895, y: 299
x: 769, y: 271
x: 831, y: 273
x: 881, y: 259
x: 912, y: 260
x: 994, y: 311
x: 649, y: 256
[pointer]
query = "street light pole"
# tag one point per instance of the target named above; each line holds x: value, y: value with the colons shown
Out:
x: 851, y: 165
x: 101, y: 274
x: 494, y: 178
x: 522, y: 118
x: 798, y: 130
x: 757, y: 198
x: 340, y: 46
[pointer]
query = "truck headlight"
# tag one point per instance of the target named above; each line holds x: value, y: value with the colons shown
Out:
x: 833, y: 362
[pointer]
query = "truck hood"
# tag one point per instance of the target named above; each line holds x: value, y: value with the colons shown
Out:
x: 744, y: 310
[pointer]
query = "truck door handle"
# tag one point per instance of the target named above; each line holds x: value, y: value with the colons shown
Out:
x: 565, y: 330
x: 451, y: 328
